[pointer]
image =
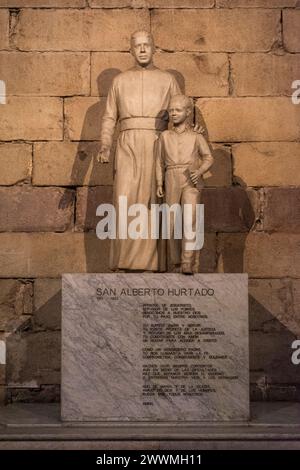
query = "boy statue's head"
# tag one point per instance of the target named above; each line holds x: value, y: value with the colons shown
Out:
x: 180, y: 109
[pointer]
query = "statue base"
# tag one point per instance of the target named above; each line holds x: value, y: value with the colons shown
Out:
x: 155, y: 347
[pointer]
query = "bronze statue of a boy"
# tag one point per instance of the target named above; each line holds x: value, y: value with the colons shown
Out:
x: 183, y: 159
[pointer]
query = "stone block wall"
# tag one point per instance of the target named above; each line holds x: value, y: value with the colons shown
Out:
x: 238, y: 60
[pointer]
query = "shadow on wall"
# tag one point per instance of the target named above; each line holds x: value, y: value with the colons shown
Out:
x: 228, y: 211
x: 271, y: 334
x: 93, y: 180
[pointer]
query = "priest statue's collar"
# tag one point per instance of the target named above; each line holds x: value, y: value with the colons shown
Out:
x: 139, y: 67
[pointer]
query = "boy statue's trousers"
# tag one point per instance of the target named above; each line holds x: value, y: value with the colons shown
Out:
x: 181, y: 190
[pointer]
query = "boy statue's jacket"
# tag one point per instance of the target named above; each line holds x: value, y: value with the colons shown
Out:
x: 185, y: 149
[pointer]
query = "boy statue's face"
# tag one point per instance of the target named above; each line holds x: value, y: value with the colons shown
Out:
x: 178, y: 111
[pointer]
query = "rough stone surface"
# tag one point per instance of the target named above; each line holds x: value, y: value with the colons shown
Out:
x: 151, y: 3
x: 75, y: 30
x: 264, y: 74
x: 229, y: 209
x: 105, y: 66
x: 27, y: 209
x: 221, y: 170
x: 264, y: 391
x: 250, y: 119
x: 83, y: 117
x: 256, y: 3
x: 208, y: 258
x: 291, y: 34
x: 43, y: 3
x: 4, y: 28
x: 51, y: 254
x: 260, y: 254
x: 33, y: 359
x: 47, y: 304
x: 69, y: 164
x: 41, y: 394
x: 266, y: 163
x: 198, y: 74
x: 216, y: 30
x: 282, y: 210
x: 47, y: 74
x: 15, y: 163
x: 270, y: 358
x: 15, y: 301
x: 88, y: 199
x: 2, y: 377
x: 179, y: 3
x: 32, y: 118
x: 118, y: 329
x: 2, y: 394
x: 274, y: 305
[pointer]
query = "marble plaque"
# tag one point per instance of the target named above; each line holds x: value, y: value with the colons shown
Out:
x: 155, y: 347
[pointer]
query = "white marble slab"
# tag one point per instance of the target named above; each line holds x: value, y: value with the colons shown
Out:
x: 163, y: 347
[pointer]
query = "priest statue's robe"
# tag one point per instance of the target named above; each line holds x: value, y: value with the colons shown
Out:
x: 138, y: 99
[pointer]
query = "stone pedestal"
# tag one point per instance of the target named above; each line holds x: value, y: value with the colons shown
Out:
x: 155, y: 347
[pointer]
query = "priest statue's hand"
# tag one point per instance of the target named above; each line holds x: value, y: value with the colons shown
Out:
x: 199, y: 129
x: 103, y: 155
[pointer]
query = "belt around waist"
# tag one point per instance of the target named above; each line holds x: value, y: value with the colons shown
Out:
x: 150, y: 123
x: 205, y: 175
x: 178, y: 165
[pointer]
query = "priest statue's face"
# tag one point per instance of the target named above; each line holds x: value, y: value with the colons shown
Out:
x: 142, y: 48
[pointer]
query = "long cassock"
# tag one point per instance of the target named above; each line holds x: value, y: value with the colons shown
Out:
x: 138, y: 99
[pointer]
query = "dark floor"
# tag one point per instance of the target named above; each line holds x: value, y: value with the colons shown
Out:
x: 38, y: 426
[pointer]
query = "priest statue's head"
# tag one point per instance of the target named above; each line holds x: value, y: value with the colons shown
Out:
x: 142, y: 47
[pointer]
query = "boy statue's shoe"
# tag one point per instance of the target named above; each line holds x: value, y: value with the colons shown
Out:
x: 187, y: 268
x: 174, y: 268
